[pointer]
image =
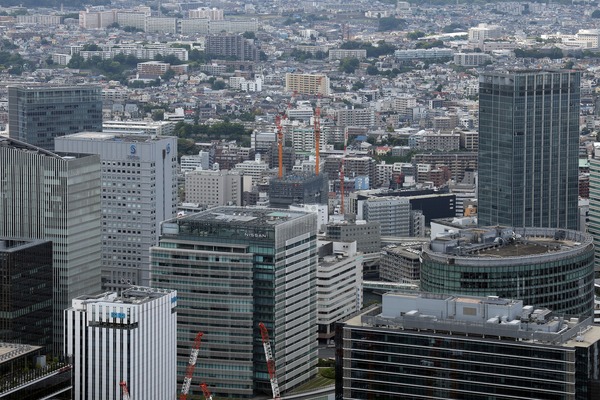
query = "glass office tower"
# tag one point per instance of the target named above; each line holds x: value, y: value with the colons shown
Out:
x: 234, y: 267
x: 528, y: 148
x: 38, y: 114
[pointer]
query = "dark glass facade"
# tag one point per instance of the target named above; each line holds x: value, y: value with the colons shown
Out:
x: 381, y: 363
x: 38, y: 114
x: 26, y: 292
x: 562, y: 280
x: 233, y: 268
x: 528, y: 149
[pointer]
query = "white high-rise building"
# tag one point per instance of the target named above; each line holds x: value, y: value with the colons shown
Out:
x: 139, y: 191
x: 339, y: 285
x: 131, y: 337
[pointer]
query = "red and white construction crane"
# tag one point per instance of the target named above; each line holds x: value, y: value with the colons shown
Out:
x: 270, y: 361
x: 185, y: 387
x: 125, y: 390
x: 207, y: 395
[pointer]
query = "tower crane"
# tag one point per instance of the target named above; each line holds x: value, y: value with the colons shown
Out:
x: 270, y: 361
x: 185, y: 387
x: 207, y: 395
x: 125, y: 390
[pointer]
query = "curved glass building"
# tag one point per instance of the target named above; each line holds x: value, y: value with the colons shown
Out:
x: 544, y: 267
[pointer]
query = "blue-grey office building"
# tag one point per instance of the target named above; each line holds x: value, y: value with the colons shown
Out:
x: 528, y: 148
x: 38, y: 114
x: 234, y: 267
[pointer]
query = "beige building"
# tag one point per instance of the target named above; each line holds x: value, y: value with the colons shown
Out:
x: 214, y: 188
x: 307, y: 83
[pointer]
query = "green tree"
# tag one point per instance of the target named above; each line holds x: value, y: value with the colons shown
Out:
x: 415, y: 35
x: 218, y: 85
x: 390, y: 24
x: 349, y: 65
x: 170, y: 74
x: 596, y: 14
x: 372, y: 70
x: 158, y: 115
x: 249, y: 35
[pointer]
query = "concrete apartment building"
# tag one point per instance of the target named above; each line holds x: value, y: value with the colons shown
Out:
x: 56, y: 198
x: 139, y: 191
x: 356, y: 117
x: 312, y: 84
x: 227, y: 45
x: 129, y: 337
x: 233, y: 268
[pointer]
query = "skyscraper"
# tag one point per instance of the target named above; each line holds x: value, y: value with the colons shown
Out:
x: 139, y: 191
x: 46, y: 196
x: 38, y: 114
x: 528, y: 148
x: 26, y: 287
x: 129, y: 337
x: 233, y: 268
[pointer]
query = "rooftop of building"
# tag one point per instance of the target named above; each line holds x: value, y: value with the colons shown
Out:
x: 26, y: 147
x: 107, y: 136
x: 8, y: 245
x: 247, y: 216
x: 9, y: 351
x: 132, y: 295
x: 503, y: 242
x: 49, y: 86
x: 484, y: 317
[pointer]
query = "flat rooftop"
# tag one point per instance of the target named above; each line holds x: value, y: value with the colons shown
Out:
x: 10, y: 351
x: 262, y: 217
x: 115, y: 136
x: 132, y: 295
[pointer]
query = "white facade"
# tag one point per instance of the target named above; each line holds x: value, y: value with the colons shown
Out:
x: 339, y: 286
x: 195, y: 162
x: 254, y: 168
x: 131, y: 337
x: 139, y: 190
x: 206, y: 12
x: 484, y: 31
x: 163, y: 128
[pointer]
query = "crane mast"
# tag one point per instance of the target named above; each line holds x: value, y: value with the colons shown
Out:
x: 185, y: 387
x: 270, y: 361
x: 207, y: 395
x: 125, y: 390
x: 279, y: 145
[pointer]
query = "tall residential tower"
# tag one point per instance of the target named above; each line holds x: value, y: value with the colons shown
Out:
x: 528, y: 148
